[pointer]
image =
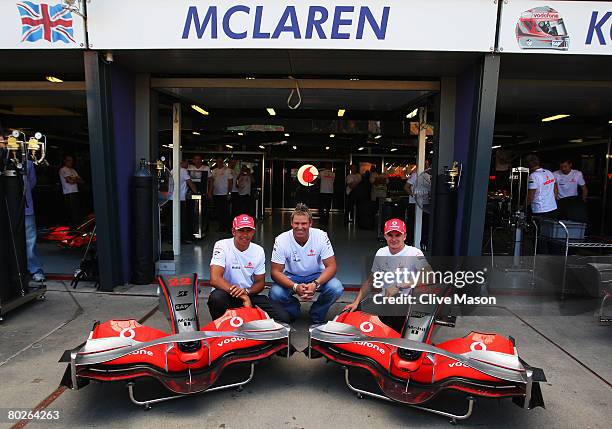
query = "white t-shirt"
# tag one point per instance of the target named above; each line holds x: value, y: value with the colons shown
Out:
x: 244, y: 184
x: 568, y: 183
x: 196, y: 172
x: 352, y: 179
x: 239, y: 266
x: 379, y: 190
x: 543, y: 181
x: 409, y: 258
x: 234, y: 177
x: 183, y: 178
x: 412, y: 181
x: 327, y: 181
x: 302, y: 260
x: 221, y: 176
x: 68, y: 188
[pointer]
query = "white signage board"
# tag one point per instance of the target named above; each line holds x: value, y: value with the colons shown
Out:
x: 34, y: 24
x: 556, y: 27
x: 425, y: 25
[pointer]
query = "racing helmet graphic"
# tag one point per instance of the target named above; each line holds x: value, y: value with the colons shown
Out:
x: 542, y: 28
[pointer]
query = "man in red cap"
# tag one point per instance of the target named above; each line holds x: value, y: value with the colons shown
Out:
x: 238, y: 271
x: 395, y: 255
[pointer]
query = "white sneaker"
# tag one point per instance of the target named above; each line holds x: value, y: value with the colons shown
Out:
x: 39, y: 277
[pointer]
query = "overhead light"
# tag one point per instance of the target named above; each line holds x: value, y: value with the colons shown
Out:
x: 229, y: 146
x: 332, y: 135
x: 195, y: 133
x: 240, y: 134
x: 361, y: 148
x: 294, y: 147
x: 554, y: 118
x: 378, y: 136
x: 576, y: 141
x: 431, y: 152
x: 262, y: 146
x: 271, y: 111
x: 326, y: 147
x: 286, y: 134
x: 354, y: 78
x: 413, y: 113
x: 250, y: 78
x: 393, y: 149
x: 496, y: 146
x: 199, y: 109
x: 341, y: 112
x: 53, y: 79
x: 610, y: 121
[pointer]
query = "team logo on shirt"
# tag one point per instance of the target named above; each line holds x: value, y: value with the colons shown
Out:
x: 311, y: 252
x: 249, y: 265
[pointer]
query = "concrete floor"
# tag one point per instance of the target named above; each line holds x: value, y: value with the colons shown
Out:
x: 292, y: 393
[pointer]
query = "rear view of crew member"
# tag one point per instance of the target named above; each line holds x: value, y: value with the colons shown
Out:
x: 219, y: 189
x: 238, y: 271
x: 326, y: 191
x: 542, y: 189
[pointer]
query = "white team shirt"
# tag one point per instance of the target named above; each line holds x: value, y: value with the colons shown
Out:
x: 568, y: 183
x: 220, y: 177
x: 412, y: 181
x: 352, y: 179
x: 235, y: 175
x: 240, y: 267
x: 183, y: 178
x: 302, y: 260
x: 409, y: 258
x: 327, y: 181
x: 196, y: 173
x: 543, y: 181
x: 244, y: 184
x: 68, y: 188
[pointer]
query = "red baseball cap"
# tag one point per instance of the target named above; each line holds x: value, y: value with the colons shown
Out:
x: 243, y: 221
x: 395, y: 225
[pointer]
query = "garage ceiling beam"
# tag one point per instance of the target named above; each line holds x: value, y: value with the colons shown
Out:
x: 41, y: 86
x: 388, y: 85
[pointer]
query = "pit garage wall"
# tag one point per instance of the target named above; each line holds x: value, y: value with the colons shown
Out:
x: 110, y: 110
x: 476, y: 96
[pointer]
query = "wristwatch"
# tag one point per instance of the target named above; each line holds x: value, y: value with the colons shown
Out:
x: 295, y: 285
x: 317, y: 284
x: 247, y: 290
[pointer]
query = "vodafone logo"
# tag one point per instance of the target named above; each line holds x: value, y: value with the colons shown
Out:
x: 142, y: 352
x: 307, y: 174
x: 229, y: 341
x: 127, y: 333
x: 371, y: 346
x: 366, y: 327
x: 478, y: 345
x: 236, y: 321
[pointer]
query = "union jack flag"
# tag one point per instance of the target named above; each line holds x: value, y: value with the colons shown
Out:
x: 44, y: 21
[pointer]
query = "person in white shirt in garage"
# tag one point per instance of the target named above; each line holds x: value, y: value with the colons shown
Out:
x: 541, y: 189
x: 571, y: 206
x: 568, y: 181
x: 70, y: 181
x: 238, y: 271
x: 326, y: 191
x: 303, y: 263
x: 186, y: 214
x: 395, y: 255
x: 219, y: 190
x: 352, y: 180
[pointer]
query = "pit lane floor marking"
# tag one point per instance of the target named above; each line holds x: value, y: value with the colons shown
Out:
x: 77, y: 312
x: 61, y: 389
x: 556, y: 345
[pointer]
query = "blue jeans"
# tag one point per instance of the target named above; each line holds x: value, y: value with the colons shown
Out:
x: 34, y: 265
x: 328, y: 294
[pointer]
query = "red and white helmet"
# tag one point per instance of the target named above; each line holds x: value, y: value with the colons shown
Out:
x: 542, y: 28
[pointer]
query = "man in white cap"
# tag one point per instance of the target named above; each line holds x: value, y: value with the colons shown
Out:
x: 395, y: 255
x: 238, y: 272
